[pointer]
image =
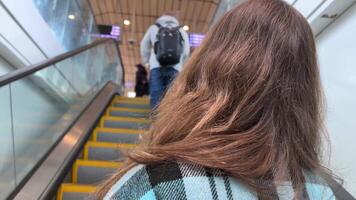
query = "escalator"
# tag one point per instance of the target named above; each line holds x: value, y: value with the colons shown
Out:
x: 65, y: 124
x: 117, y: 131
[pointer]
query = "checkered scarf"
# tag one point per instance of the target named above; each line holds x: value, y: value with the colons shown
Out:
x: 180, y: 181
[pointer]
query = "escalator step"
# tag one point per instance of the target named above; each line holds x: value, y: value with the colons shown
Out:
x: 93, y: 172
x: 130, y: 104
x: 124, y: 122
x: 127, y: 105
x: 69, y: 191
x: 106, y: 151
x: 127, y: 112
x: 116, y: 135
x: 137, y: 99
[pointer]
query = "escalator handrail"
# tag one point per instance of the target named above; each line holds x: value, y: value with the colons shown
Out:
x: 23, y: 72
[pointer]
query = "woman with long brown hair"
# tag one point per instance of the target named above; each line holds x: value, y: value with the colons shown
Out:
x: 242, y: 121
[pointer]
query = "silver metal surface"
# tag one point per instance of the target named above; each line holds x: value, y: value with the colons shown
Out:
x: 126, y: 125
x: 94, y: 175
x: 128, y: 105
x: 106, y: 154
x: 75, y: 196
x: 117, y: 138
x: 128, y: 114
x: 49, y: 171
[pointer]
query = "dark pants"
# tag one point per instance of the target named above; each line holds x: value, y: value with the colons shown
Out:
x: 160, y: 80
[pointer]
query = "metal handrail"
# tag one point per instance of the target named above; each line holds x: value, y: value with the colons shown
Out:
x: 23, y: 72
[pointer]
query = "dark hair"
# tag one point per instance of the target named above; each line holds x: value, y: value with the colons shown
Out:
x: 248, y: 101
x: 140, y: 66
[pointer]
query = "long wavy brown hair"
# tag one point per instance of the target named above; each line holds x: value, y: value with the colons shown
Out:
x: 248, y: 101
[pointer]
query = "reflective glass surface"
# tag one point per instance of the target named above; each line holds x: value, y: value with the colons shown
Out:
x: 71, y: 21
x: 7, y: 165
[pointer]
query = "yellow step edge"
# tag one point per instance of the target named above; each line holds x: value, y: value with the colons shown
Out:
x: 122, y: 119
x: 134, y: 110
x: 105, y: 145
x: 144, y: 99
x: 120, y: 130
x: 92, y: 163
x: 114, y: 131
x: 130, y: 102
x: 125, y: 119
x: 75, y: 188
x: 123, y: 109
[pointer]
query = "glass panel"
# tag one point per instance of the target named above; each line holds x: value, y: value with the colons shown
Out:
x: 5, y: 67
x: 7, y: 172
x: 47, y: 102
x: 36, y: 115
x: 71, y: 21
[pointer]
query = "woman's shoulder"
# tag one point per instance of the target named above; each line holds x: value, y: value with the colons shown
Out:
x: 169, y: 180
x: 175, y: 180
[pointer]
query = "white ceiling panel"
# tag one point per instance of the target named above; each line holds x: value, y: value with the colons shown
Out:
x: 290, y: 1
x: 306, y: 7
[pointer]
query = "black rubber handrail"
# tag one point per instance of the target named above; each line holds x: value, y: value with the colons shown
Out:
x: 23, y: 72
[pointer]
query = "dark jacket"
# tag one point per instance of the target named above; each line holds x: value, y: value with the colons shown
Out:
x: 141, y: 87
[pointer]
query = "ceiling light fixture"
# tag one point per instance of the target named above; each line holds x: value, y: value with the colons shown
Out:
x: 186, y: 28
x: 71, y: 16
x: 127, y: 22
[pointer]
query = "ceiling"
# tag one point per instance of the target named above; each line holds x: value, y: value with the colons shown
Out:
x: 197, y: 14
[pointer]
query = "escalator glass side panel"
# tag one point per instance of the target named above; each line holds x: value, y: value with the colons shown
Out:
x: 7, y: 163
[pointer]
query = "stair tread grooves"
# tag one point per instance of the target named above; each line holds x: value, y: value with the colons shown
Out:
x: 129, y: 114
x: 130, y: 102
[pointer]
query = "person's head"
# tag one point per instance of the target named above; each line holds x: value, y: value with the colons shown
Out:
x: 168, y: 18
x: 140, y: 67
x: 248, y: 101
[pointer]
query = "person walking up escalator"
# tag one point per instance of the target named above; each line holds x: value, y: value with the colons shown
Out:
x: 165, y: 47
x: 141, y: 87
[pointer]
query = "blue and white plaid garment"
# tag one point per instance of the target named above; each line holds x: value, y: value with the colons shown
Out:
x: 180, y: 181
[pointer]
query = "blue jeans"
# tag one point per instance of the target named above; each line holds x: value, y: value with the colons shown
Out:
x: 160, y: 80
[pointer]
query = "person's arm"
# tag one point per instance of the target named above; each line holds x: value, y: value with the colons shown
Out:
x: 145, y: 46
x: 186, y: 46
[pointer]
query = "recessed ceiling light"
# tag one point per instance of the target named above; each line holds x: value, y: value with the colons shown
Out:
x: 186, y: 28
x: 127, y: 22
x: 71, y: 16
